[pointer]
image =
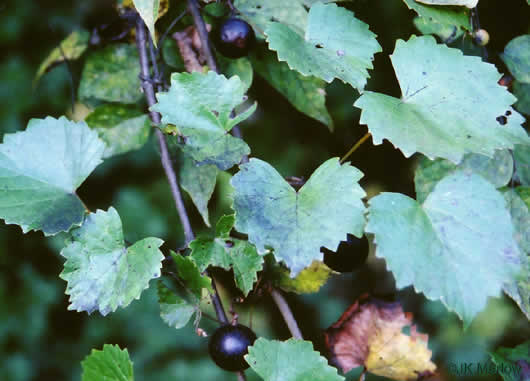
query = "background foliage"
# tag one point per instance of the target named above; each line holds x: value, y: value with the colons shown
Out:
x: 41, y: 340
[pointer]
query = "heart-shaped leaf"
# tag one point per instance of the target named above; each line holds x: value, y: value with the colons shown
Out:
x: 451, y: 104
x: 297, y: 224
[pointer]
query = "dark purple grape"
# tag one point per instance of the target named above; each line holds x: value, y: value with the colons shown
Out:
x: 350, y: 255
x: 228, y: 345
x: 234, y: 38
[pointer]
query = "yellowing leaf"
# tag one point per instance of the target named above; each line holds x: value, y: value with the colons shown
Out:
x: 396, y: 355
x: 310, y: 280
x: 372, y: 333
x: 71, y: 48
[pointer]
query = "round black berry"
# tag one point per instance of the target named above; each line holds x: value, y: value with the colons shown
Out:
x: 234, y: 38
x: 481, y: 37
x: 350, y: 255
x: 228, y: 345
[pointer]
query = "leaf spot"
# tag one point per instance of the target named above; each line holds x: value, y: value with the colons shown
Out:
x: 502, y: 120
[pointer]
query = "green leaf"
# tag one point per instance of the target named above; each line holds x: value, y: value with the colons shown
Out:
x: 524, y: 193
x: 457, y: 16
x: 519, y: 288
x: 451, y: 104
x: 71, y: 48
x: 190, y: 275
x: 436, y: 246
x: 246, y: 263
x: 513, y: 364
x: 522, y: 92
x: 174, y: 310
x: 240, y: 67
x: 109, y: 364
x: 296, y: 224
x: 199, y: 183
x: 200, y: 106
x: 521, y: 155
x: 148, y: 10
x: 207, y: 252
x: 497, y: 170
x: 102, y: 273
x: 292, y: 13
x: 291, y: 360
x: 171, y: 55
x: 446, y: 32
x: 225, y: 225
x: 40, y: 170
x: 121, y: 127
x: 516, y: 56
x: 335, y: 45
x: 306, y: 94
x: 111, y: 74
x: 216, y: 9
x: 260, y: 14
x: 227, y: 253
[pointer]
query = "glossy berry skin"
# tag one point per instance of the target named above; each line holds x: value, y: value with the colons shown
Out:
x: 350, y: 255
x: 228, y: 345
x: 481, y: 37
x: 234, y: 38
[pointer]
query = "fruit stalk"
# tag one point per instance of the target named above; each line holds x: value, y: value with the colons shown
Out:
x: 287, y: 314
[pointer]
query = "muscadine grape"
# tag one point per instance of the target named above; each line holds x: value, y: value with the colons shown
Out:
x: 228, y: 345
x: 481, y: 37
x: 234, y: 38
x: 350, y: 255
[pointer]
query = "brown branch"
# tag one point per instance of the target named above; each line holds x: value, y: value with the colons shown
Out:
x: 149, y: 91
x: 203, y: 34
x: 148, y: 87
x: 287, y: 314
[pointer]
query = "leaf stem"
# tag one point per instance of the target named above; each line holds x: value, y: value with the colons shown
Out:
x: 355, y: 146
x: 475, y: 26
x: 287, y: 314
x: 84, y: 205
x: 166, y: 33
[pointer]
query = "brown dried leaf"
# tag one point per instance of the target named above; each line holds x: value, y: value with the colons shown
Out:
x: 188, y: 49
x: 370, y: 333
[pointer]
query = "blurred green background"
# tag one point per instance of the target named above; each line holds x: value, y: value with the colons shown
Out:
x: 41, y: 340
